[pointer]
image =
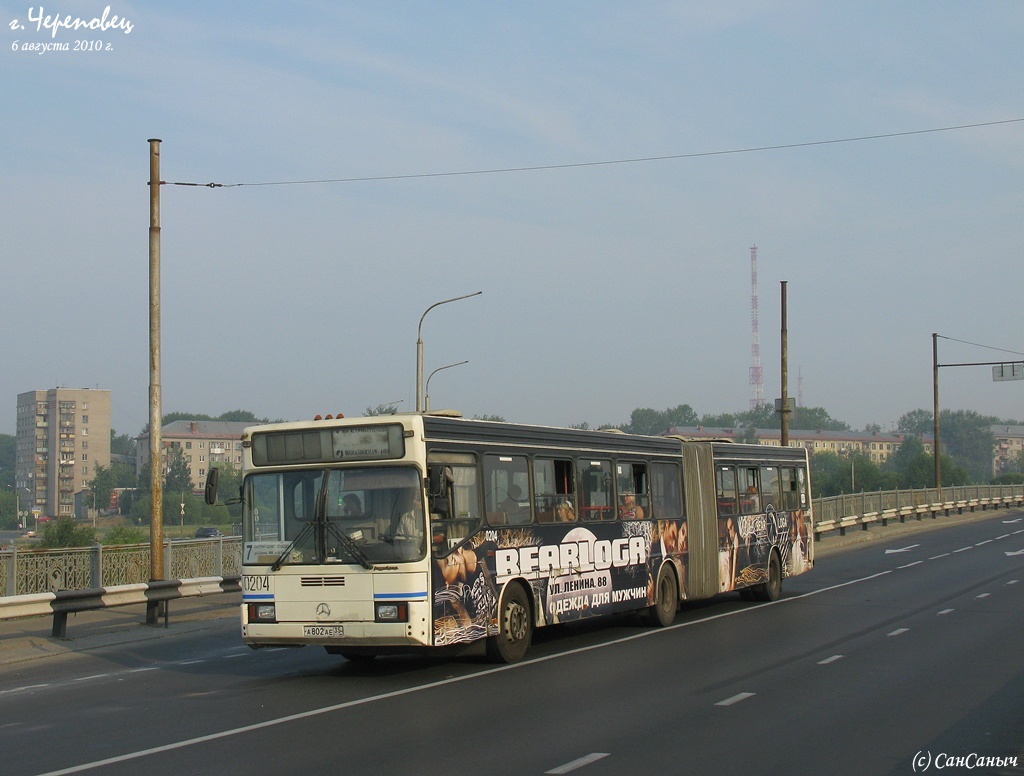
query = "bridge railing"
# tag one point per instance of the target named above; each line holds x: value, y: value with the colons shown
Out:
x: 838, y: 513
x: 27, y: 572
x: 34, y: 571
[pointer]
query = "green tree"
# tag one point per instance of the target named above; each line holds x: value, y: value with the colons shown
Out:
x: 645, y: 420
x: 102, y: 485
x: 126, y: 534
x: 968, y: 439
x: 121, y: 444
x: 8, y: 509
x: 107, y: 478
x: 178, y: 477
x: 65, y: 532
x: 8, y: 446
x: 381, y: 409
x: 916, y: 422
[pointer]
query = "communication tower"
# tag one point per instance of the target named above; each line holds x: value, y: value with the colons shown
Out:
x: 756, y: 373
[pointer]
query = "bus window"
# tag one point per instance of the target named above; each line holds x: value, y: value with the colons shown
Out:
x: 770, y: 487
x: 666, y: 501
x: 507, y: 489
x: 751, y: 492
x: 793, y: 496
x: 631, y: 481
x: 725, y: 485
x: 554, y: 492
x: 596, y: 490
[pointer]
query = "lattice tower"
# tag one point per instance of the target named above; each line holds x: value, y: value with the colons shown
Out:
x: 756, y: 373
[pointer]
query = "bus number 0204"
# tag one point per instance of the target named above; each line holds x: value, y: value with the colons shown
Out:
x: 256, y: 584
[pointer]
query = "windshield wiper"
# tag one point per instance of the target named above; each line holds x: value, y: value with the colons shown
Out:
x: 288, y: 550
x: 346, y: 541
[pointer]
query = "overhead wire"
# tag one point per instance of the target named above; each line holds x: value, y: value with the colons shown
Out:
x: 607, y: 162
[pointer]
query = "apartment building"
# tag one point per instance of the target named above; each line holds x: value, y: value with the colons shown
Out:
x: 876, y: 445
x: 63, y: 434
x: 203, y: 443
x: 1009, y: 446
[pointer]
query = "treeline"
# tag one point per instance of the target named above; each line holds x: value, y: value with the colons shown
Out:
x: 967, y: 446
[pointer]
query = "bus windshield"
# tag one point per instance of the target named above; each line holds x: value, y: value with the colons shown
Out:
x: 359, y: 515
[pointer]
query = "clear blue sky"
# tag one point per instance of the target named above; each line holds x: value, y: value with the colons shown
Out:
x: 605, y: 287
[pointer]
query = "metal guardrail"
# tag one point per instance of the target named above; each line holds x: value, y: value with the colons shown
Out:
x: 838, y: 513
x: 153, y: 594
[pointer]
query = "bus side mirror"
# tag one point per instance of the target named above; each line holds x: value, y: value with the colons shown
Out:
x: 440, y: 478
x: 210, y: 493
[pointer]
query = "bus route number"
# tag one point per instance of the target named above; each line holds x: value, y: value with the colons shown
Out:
x: 253, y: 584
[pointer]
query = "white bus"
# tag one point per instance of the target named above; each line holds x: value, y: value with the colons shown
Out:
x: 372, y: 536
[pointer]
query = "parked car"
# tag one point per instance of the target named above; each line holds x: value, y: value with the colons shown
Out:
x: 207, y: 533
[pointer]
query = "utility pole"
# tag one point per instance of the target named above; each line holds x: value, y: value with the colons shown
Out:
x: 784, y: 409
x: 156, y: 485
x: 935, y: 412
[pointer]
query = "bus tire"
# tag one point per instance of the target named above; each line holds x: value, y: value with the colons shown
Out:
x: 515, y: 627
x: 771, y: 589
x: 666, y: 600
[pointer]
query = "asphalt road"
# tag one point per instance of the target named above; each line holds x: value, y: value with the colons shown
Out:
x: 889, y: 656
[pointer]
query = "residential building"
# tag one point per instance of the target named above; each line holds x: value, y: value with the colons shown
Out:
x: 1009, y: 446
x: 63, y: 434
x: 876, y: 445
x: 203, y: 443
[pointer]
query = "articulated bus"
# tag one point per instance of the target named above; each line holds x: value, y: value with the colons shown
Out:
x: 371, y: 536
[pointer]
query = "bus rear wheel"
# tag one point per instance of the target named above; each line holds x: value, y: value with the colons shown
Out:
x: 771, y: 589
x: 515, y: 628
x: 666, y: 600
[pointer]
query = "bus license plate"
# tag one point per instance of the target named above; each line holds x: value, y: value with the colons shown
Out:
x: 324, y: 631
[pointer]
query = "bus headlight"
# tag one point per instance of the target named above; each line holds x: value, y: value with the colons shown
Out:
x: 262, y: 613
x: 391, y: 612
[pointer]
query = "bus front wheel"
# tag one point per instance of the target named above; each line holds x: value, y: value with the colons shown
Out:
x: 515, y: 628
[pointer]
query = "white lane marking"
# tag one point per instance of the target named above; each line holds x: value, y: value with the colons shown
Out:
x: 963, y: 549
x: 987, y: 541
x: 832, y: 659
x: 945, y: 611
x: 908, y: 565
x: 898, y: 631
x: 1012, y: 582
x: 736, y: 699
x: 902, y: 549
x: 593, y: 757
x: 87, y: 678
x: 431, y: 685
x: 983, y: 595
x: 1004, y: 536
x: 943, y: 555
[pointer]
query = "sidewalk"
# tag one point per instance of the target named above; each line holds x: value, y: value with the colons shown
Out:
x: 29, y: 638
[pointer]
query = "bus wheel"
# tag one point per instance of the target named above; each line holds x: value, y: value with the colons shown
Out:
x: 515, y: 628
x: 666, y: 600
x: 772, y: 587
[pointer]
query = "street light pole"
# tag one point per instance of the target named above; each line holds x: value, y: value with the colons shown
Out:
x: 935, y: 414
x: 447, y: 366
x: 419, y: 346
